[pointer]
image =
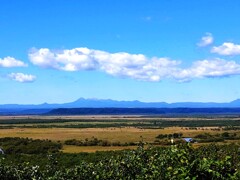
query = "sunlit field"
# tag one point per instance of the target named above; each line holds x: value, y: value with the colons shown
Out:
x: 130, y: 129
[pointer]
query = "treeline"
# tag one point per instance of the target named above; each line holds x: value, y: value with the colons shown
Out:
x: 16, y: 145
x: 175, y: 162
x: 207, y: 137
x: 154, y: 123
x: 234, y: 128
x: 97, y: 142
x: 169, y: 136
x: 142, y: 111
x: 164, y: 139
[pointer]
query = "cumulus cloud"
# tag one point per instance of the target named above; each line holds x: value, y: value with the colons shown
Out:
x: 135, y: 66
x: 209, y: 68
x: 11, y: 62
x: 227, y: 49
x: 20, y: 77
x: 206, y: 40
x: 67, y: 60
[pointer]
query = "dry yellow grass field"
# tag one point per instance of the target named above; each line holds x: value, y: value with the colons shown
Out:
x: 110, y: 134
x: 125, y: 134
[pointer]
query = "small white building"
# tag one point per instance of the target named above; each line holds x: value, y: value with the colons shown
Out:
x: 189, y: 140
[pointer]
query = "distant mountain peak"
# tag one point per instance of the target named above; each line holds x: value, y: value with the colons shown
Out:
x: 45, y: 103
x: 235, y: 101
x: 92, y: 99
x: 80, y: 99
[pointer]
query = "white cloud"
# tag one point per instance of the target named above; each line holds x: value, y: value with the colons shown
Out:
x: 227, y: 49
x: 11, y: 62
x: 206, y: 40
x: 135, y: 66
x: 20, y: 77
x: 209, y: 68
x: 68, y: 60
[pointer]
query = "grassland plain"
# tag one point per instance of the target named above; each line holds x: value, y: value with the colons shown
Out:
x: 124, y: 129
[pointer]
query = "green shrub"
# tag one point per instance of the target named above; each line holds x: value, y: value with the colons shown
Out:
x: 18, y: 145
x: 174, y: 162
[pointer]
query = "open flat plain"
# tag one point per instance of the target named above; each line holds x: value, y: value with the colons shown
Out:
x: 123, y: 129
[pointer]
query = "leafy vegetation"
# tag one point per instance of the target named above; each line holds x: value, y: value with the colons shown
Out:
x: 174, y: 135
x: 28, y: 146
x: 97, y: 142
x: 207, y: 137
x: 175, y: 162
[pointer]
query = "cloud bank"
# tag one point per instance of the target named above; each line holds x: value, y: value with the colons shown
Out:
x: 8, y: 62
x: 135, y: 66
x: 126, y: 65
x: 22, y: 78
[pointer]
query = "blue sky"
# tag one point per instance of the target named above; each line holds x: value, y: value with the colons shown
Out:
x: 160, y: 50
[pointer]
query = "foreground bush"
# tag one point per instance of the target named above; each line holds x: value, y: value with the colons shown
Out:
x: 175, y: 162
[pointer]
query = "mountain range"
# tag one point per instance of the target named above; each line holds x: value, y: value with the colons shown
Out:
x: 108, y: 103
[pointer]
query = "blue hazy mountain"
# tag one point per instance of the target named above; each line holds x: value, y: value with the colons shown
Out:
x: 104, y: 106
x: 106, y: 103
